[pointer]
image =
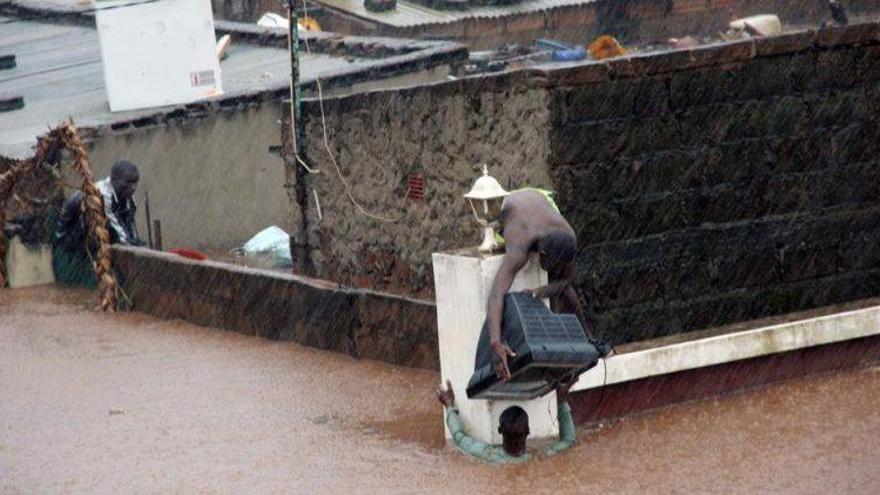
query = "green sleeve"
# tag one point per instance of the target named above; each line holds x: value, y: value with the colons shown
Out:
x: 567, y: 435
x: 466, y: 443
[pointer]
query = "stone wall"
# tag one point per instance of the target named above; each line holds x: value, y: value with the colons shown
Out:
x: 707, y: 186
x: 726, y: 192
x: 281, y: 307
x: 378, y: 237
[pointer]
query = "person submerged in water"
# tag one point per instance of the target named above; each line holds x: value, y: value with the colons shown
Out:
x: 71, y: 255
x: 513, y: 425
x: 531, y: 223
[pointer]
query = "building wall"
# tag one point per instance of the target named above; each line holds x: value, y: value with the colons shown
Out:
x: 723, y: 193
x: 212, y: 181
x: 709, y: 186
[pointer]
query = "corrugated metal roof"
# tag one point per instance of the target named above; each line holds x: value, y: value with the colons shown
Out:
x: 60, y: 74
x: 409, y: 14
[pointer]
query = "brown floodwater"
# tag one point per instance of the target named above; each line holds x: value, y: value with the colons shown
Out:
x: 93, y: 403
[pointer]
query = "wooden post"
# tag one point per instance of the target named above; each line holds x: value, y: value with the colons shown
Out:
x: 149, y: 221
x: 157, y: 229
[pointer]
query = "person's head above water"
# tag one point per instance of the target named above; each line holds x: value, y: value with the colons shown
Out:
x: 556, y: 250
x: 514, y: 428
x: 124, y: 177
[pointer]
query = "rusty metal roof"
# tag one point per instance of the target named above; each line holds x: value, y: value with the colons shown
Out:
x: 410, y: 14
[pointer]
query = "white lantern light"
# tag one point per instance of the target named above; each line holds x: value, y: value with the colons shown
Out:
x: 485, y: 198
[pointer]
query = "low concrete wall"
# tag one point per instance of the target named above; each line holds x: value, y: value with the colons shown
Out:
x: 626, y: 398
x: 278, y: 306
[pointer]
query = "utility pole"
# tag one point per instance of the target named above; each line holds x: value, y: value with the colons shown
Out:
x: 299, y: 246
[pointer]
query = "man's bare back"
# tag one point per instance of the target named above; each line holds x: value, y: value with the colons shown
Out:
x: 526, y: 216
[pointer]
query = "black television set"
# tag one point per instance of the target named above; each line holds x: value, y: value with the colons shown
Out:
x: 550, y: 348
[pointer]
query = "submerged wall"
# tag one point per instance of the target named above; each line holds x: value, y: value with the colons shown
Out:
x: 706, y: 186
x: 279, y: 306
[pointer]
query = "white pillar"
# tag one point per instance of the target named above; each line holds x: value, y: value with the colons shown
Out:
x: 462, y: 281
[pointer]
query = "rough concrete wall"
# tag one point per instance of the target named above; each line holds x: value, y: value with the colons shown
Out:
x: 724, y: 193
x: 444, y: 134
x: 212, y: 181
x: 279, y: 307
x: 707, y: 186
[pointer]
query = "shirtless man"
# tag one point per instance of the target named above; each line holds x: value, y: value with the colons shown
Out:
x: 532, y: 224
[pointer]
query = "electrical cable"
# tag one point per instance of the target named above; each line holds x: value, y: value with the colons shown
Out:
x: 345, y: 183
x: 605, y: 371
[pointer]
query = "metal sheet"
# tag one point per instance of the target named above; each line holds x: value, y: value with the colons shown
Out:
x: 410, y: 14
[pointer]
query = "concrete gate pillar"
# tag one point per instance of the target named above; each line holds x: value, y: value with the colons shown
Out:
x: 462, y: 281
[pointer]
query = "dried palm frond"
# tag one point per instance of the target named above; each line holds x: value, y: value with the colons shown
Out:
x: 93, y: 208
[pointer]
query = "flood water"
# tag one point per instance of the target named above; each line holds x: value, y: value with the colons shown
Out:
x: 127, y: 403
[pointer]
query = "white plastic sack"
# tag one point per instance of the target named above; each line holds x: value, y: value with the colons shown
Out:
x: 272, y: 240
x: 271, y: 19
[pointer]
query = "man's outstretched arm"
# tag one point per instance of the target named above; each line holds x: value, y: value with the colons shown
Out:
x: 558, y: 283
x: 514, y: 260
x: 466, y: 443
x: 567, y: 434
x: 463, y: 441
